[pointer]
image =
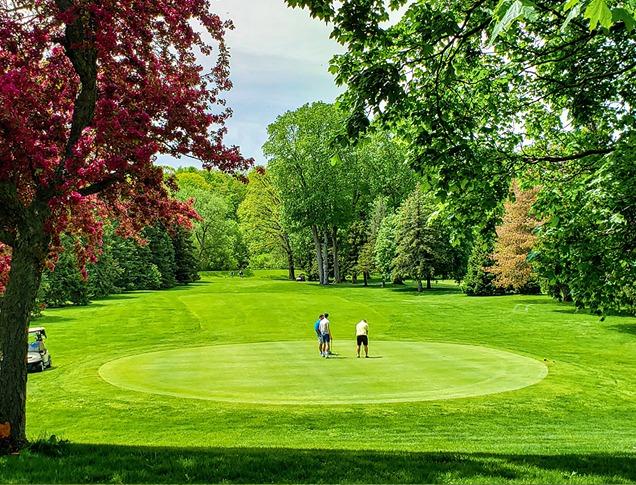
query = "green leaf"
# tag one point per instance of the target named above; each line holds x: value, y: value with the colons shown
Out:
x: 335, y: 160
x: 573, y: 13
x: 512, y: 14
x: 622, y: 15
x: 570, y: 4
x: 598, y: 13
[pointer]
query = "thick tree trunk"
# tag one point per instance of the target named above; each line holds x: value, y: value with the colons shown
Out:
x: 325, y: 258
x: 419, y: 286
x: 27, y: 262
x: 428, y: 281
x: 354, y: 277
x: 365, y: 275
x: 317, y: 245
x: 334, y: 249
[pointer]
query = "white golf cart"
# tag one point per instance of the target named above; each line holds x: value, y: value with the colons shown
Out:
x: 38, y: 357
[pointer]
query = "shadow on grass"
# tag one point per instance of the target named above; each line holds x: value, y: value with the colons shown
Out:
x: 624, y: 328
x: 78, y: 463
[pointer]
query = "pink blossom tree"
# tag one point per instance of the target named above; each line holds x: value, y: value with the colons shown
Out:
x: 90, y: 92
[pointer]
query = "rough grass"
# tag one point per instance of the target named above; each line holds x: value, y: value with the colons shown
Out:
x: 575, y: 426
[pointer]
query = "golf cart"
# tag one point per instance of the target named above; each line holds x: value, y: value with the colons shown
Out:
x: 38, y: 357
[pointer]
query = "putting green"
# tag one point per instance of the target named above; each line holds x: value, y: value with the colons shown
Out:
x: 294, y: 373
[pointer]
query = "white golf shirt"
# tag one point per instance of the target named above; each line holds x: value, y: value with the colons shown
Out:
x: 324, y: 326
x: 362, y: 328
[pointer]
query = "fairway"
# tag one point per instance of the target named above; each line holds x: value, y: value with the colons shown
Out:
x: 293, y: 373
x: 222, y: 381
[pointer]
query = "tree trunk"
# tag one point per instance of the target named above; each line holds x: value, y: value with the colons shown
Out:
x: 428, y: 281
x: 291, y: 270
x: 290, y: 258
x: 316, y: 237
x: 325, y: 259
x: 419, y: 285
x: 336, y: 263
x: 27, y: 263
x: 354, y: 277
x: 365, y: 275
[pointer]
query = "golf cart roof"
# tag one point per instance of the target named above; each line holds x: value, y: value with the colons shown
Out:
x: 37, y: 330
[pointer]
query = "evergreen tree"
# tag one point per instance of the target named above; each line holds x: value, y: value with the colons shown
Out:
x: 138, y: 272
x: 162, y: 254
x: 420, y: 247
x: 479, y: 277
x: 186, y: 263
x: 64, y: 283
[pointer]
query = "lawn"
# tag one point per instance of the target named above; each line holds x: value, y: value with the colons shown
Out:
x: 275, y: 411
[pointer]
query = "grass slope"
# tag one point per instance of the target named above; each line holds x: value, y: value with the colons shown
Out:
x: 575, y: 426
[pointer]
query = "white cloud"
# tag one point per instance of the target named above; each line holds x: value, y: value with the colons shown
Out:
x: 279, y: 62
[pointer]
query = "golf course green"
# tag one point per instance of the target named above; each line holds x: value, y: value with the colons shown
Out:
x: 294, y: 373
x: 221, y: 381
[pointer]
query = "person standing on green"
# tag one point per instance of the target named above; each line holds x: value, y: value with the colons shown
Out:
x: 317, y: 330
x: 362, y: 337
x: 325, y: 335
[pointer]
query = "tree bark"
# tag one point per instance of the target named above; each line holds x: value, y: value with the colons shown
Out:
x: 334, y: 248
x: 27, y: 263
x: 291, y: 269
x: 354, y: 277
x: 428, y: 280
x: 365, y: 275
x: 325, y: 258
x: 317, y: 244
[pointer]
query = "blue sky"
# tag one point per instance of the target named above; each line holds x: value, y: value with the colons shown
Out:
x: 279, y: 62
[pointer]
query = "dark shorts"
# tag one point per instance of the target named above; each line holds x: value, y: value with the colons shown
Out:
x: 362, y: 340
x: 325, y: 338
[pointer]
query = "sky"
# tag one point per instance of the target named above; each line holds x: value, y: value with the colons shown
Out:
x: 279, y: 62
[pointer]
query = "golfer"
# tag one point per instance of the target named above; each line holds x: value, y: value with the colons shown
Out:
x: 317, y: 330
x: 325, y: 335
x: 362, y: 337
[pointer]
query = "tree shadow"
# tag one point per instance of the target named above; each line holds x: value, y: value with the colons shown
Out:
x: 624, y: 328
x: 85, y: 463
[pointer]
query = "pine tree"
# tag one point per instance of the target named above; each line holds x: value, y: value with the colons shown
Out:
x: 420, y: 247
x: 479, y: 277
x: 186, y: 263
x: 515, y: 240
x: 162, y: 254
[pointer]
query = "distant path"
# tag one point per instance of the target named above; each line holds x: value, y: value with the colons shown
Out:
x: 291, y: 373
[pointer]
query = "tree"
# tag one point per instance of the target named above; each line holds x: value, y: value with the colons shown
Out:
x: 162, y: 254
x: 186, y: 263
x: 485, y: 92
x: 262, y: 219
x: 516, y: 239
x: 385, y: 249
x: 90, y: 91
x: 420, y: 247
x: 586, y: 248
x: 314, y: 179
x: 216, y: 234
x: 479, y: 279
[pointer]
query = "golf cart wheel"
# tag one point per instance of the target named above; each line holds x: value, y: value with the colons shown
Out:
x: 41, y: 367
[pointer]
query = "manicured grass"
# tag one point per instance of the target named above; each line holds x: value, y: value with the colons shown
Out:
x: 574, y: 426
x: 293, y: 373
